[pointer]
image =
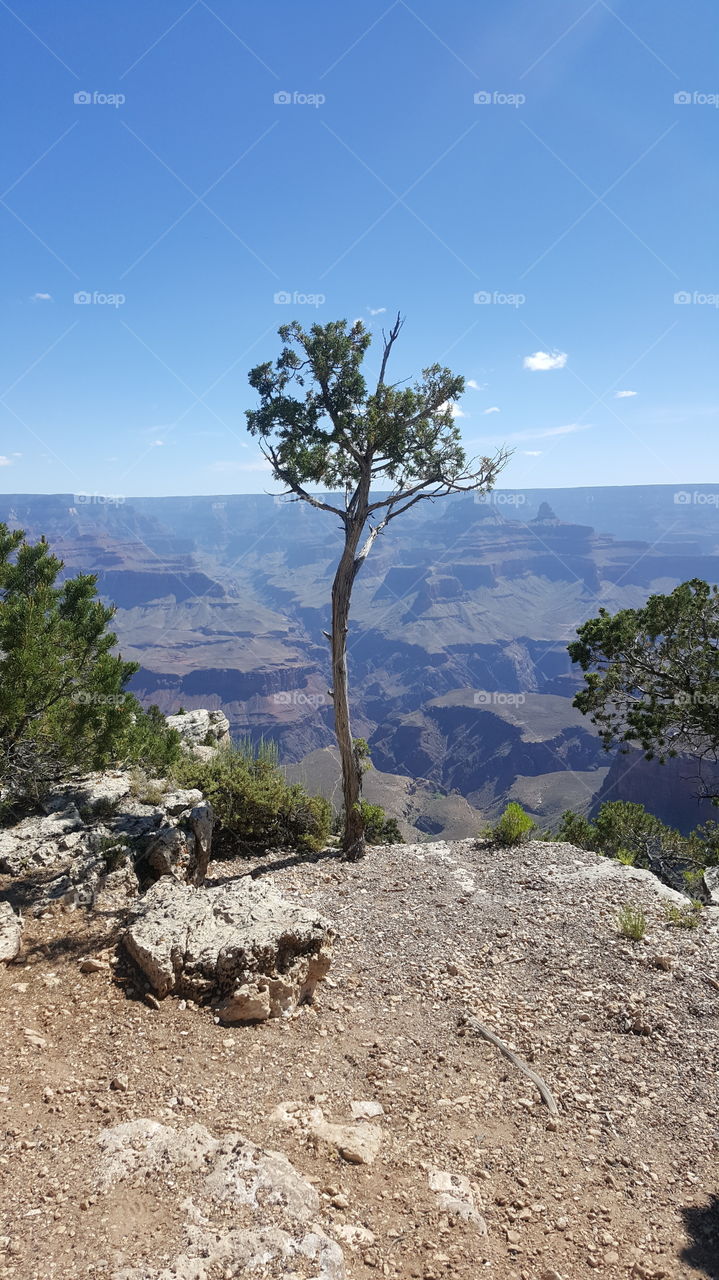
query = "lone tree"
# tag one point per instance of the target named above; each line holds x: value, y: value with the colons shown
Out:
x: 652, y: 674
x: 319, y: 425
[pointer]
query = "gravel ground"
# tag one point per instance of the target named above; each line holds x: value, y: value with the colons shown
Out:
x: 623, y: 1183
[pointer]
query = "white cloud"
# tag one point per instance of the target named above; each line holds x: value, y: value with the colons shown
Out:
x: 157, y: 444
x: 376, y: 311
x: 16, y: 455
x: 41, y: 297
x: 474, y: 385
x: 623, y: 395
x: 492, y: 409
x: 454, y: 409
x: 542, y: 361
x: 532, y: 453
x: 5, y: 462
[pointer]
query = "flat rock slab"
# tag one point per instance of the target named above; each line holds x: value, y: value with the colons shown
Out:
x: 241, y: 945
x: 279, y: 1209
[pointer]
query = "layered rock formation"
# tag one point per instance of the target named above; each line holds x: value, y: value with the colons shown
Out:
x: 223, y: 601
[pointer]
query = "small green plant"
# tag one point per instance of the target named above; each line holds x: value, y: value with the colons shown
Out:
x: 627, y: 857
x: 152, y: 794
x: 514, y: 826
x: 378, y: 828
x: 683, y: 917
x: 181, y: 711
x: 632, y: 923
x: 114, y: 850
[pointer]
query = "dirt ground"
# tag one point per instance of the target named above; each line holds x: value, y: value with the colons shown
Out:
x: 624, y: 1183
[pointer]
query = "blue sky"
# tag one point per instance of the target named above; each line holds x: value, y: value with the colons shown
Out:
x: 580, y: 198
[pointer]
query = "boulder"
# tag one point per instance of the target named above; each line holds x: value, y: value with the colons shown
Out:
x: 241, y: 945
x: 273, y: 1211
x: 41, y: 841
x: 10, y: 932
x: 201, y: 731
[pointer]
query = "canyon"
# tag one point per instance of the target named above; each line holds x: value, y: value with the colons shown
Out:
x: 460, y: 621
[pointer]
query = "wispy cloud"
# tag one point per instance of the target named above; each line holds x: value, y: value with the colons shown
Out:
x: 531, y: 453
x: 4, y: 462
x: 474, y: 385
x: 157, y: 444
x: 376, y: 311
x: 623, y: 395
x: 494, y: 408
x: 546, y: 433
x: 542, y: 361
x: 41, y: 297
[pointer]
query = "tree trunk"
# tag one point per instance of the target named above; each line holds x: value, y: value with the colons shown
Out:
x: 353, y: 841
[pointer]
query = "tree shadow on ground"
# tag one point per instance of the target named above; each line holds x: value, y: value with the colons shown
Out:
x: 701, y: 1223
x: 268, y: 864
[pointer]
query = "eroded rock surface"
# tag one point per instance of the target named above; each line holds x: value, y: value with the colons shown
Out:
x: 216, y: 1175
x: 202, y: 731
x: 10, y: 932
x: 243, y: 945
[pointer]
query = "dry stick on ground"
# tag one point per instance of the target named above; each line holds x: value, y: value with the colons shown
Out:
x: 547, y: 1096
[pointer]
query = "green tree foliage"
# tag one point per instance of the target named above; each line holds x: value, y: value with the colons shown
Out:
x: 63, y: 702
x: 514, y: 827
x: 378, y: 828
x: 256, y: 807
x: 652, y: 674
x: 629, y: 833
x: 321, y: 427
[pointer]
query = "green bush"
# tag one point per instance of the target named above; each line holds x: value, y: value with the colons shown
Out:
x: 255, y: 806
x: 514, y: 826
x: 577, y: 830
x: 378, y: 828
x: 622, y: 830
